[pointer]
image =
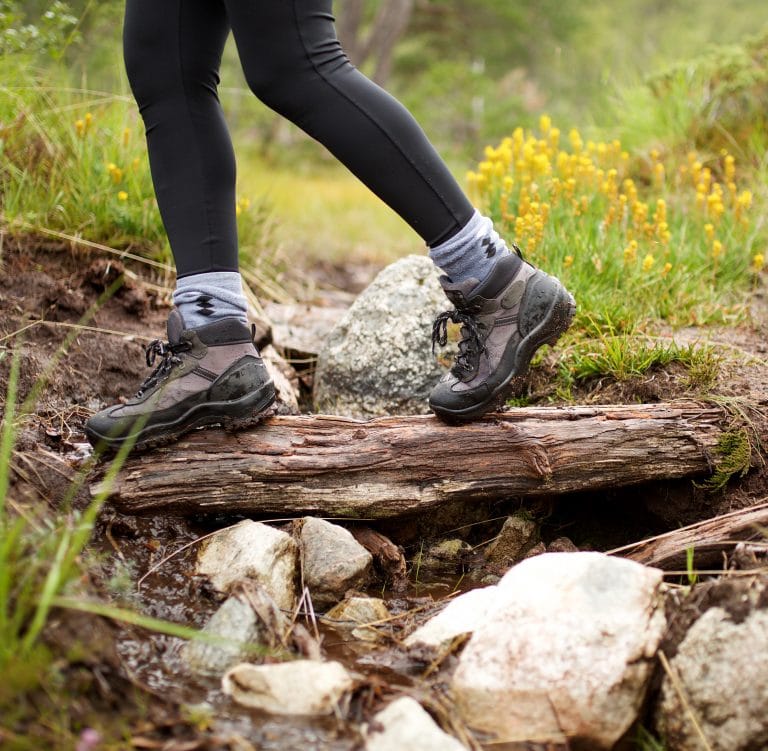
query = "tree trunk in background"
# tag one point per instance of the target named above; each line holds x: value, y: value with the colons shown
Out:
x: 348, y: 23
x: 378, y: 44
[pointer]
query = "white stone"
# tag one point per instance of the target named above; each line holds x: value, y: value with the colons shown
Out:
x: 356, y: 613
x: 405, y: 726
x: 302, y: 687
x: 723, y: 670
x: 462, y: 615
x: 332, y: 561
x: 251, y: 550
x: 234, y: 622
x: 378, y: 358
x: 566, y: 649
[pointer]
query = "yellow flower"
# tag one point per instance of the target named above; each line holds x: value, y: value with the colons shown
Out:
x: 568, y: 262
x: 709, y: 231
x: 717, y: 249
x: 667, y: 268
x: 630, y: 252
x: 122, y: 196
x: 545, y: 124
x: 80, y: 127
x: 745, y: 199
x: 648, y: 262
x: 758, y: 261
x: 126, y: 136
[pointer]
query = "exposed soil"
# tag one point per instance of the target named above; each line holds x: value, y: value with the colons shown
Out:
x: 45, y: 291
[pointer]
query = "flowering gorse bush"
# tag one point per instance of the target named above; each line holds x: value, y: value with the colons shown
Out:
x: 635, y: 236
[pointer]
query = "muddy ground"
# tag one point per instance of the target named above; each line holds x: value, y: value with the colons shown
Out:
x: 131, y: 684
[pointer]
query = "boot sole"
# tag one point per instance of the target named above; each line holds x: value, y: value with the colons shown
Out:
x: 240, y: 414
x: 556, y: 322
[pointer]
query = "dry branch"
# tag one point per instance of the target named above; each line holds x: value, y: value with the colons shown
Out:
x: 708, y: 539
x: 391, y: 466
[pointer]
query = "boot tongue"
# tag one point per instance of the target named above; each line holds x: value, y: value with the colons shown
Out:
x: 175, y: 327
x: 458, y: 293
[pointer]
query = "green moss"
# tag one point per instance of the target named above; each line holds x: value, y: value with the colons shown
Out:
x: 734, y: 457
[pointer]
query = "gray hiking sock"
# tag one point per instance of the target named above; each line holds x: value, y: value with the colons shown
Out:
x: 472, y: 252
x: 204, y: 298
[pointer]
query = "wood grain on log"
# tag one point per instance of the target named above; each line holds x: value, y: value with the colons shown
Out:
x: 391, y: 466
x: 708, y: 539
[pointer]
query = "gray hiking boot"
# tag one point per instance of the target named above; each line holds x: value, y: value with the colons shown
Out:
x: 503, y: 321
x: 207, y: 376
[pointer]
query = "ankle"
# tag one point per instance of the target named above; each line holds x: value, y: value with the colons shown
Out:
x: 472, y: 252
x: 206, y: 298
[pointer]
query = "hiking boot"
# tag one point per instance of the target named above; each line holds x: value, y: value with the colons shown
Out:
x: 206, y: 376
x: 504, y: 320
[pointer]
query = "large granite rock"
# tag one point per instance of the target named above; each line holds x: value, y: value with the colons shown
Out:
x: 255, y: 551
x: 378, y: 359
x: 566, y: 650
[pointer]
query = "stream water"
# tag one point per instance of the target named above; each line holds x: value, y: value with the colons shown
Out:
x: 172, y: 592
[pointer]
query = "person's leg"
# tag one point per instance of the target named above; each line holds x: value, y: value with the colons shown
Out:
x: 294, y: 63
x: 209, y: 371
x: 172, y: 52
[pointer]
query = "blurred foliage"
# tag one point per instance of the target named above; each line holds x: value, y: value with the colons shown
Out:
x: 470, y: 70
x: 16, y: 35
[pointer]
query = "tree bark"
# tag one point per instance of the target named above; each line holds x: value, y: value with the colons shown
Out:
x: 393, y: 466
x: 709, y: 539
x: 350, y: 19
x: 378, y: 44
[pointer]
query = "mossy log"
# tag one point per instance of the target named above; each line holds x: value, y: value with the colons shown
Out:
x: 393, y: 466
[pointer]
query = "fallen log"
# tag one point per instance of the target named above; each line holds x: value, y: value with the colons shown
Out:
x: 708, y: 539
x: 392, y: 466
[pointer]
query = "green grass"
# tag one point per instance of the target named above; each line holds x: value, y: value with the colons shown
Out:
x: 74, y: 160
x: 324, y: 213
x: 599, y: 350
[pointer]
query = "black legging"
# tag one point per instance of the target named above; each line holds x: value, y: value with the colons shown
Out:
x: 294, y: 63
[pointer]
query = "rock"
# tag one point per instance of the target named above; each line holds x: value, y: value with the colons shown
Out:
x: 445, y: 555
x: 378, y: 359
x: 302, y: 328
x: 562, y: 545
x: 405, y: 726
x: 285, y: 379
x: 537, y: 549
x: 251, y: 550
x: 565, y: 650
x: 462, y: 615
x: 301, y: 687
x: 355, y: 612
x: 332, y: 561
x: 234, y: 621
x: 722, y: 665
x: 518, y: 535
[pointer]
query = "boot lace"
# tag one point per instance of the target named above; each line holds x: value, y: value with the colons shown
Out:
x: 471, y: 345
x: 169, y: 356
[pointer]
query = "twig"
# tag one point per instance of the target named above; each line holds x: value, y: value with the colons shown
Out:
x: 81, y: 327
x: 678, y: 686
x: 624, y: 548
x: 91, y: 244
